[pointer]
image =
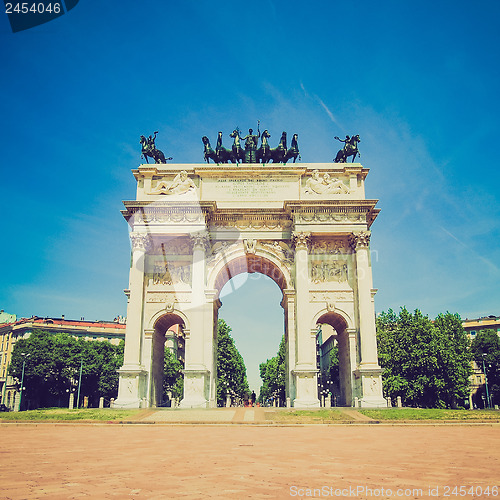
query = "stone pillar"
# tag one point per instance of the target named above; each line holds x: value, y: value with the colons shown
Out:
x: 101, y: 402
x: 196, y: 374
x: 288, y: 304
x: 305, y: 371
x: 369, y: 369
x: 132, y: 373
x: 71, y: 401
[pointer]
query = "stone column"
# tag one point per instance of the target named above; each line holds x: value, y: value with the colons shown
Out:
x: 305, y: 371
x: 132, y: 373
x: 196, y: 374
x: 368, y: 369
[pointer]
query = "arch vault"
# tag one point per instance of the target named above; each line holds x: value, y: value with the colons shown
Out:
x: 306, y: 226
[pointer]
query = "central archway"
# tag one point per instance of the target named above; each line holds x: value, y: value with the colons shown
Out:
x: 239, y: 260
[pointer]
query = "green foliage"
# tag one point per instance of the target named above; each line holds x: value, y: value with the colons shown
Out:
x: 426, y: 363
x: 173, y: 381
x: 53, y: 367
x: 272, y: 373
x: 487, y: 343
x: 231, y: 370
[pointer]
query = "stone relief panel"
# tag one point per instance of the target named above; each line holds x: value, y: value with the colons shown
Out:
x: 324, y: 184
x: 171, y: 273
x: 182, y: 184
x: 324, y: 271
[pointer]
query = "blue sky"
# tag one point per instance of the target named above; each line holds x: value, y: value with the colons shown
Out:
x: 418, y: 81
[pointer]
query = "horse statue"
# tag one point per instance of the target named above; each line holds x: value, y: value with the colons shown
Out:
x: 149, y: 149
x: 264, y: 152
x: 293, y: 152
x: 350, y: 149
x: 224, y: 155
x: 238, y: 151
x: 278, y: 154
x: 210, y: 154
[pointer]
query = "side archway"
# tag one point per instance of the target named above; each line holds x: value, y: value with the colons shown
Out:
x: 340, y: 336
x: 167, y: 331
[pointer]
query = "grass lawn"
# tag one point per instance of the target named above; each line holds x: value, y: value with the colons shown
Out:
x: 320, y: 416
x: 60, y: 414
x: 430, y: 414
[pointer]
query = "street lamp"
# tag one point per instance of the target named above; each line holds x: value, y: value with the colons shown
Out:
x: 24, y: 355
x: 486, y: 383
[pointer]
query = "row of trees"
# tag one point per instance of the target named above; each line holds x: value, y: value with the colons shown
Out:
x: 52, y: 365
x: 231, y: 370
x: 428, y: 363
x: 272, y: 373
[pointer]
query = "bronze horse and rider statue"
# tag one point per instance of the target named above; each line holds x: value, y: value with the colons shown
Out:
x: 149, y: 149
x: 250, y: 153
x: 350, y: 149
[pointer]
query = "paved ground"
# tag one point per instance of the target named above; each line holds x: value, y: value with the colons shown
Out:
x: 144, y: 461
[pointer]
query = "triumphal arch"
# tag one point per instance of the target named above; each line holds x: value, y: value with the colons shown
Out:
x: 195, y: 226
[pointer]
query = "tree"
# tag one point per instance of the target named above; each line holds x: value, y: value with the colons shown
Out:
x: 426, y: 363
x: 486, y: 347
x: 272, y: 373
x: 53, y: 365
x: 231, y: 370
x: 173, y: 382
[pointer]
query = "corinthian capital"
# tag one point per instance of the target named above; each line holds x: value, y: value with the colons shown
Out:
x: 359, y: 240
x: 301, y: 239
x: 200, y: 240
x: 140, y: 241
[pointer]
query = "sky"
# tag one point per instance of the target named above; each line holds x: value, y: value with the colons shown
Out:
x: 418, y: 81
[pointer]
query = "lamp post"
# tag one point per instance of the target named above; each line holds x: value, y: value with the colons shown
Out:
x: 24, y: 355
x: 486, y: 383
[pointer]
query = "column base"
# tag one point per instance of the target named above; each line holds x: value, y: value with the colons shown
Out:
x: 371, y: 386
x: 307, y: 388
x: 196, y: 384
x: 131, y: 387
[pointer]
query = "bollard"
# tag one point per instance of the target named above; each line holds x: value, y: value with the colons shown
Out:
x: 71, y: 401
x: 112, y: 403
x: 399, y: 403
x: 356, y: 402
x: 328, y: 401
x: 389, y: 402
x: 86, y: 402
x: 288, y: 403
x: 228, y: 401
x: 101, y: 403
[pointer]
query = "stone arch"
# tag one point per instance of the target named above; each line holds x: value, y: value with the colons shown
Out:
x: 343, y: 338
x: 237, y: 261
x: 161, y: 323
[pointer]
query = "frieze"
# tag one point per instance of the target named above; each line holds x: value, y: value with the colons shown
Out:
x: 250, y: 222
x: 335, y: 247
x: 174, y: 246
x: 330, y: 217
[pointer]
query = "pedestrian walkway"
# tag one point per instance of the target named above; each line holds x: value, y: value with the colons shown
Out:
x: 238, y: 415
